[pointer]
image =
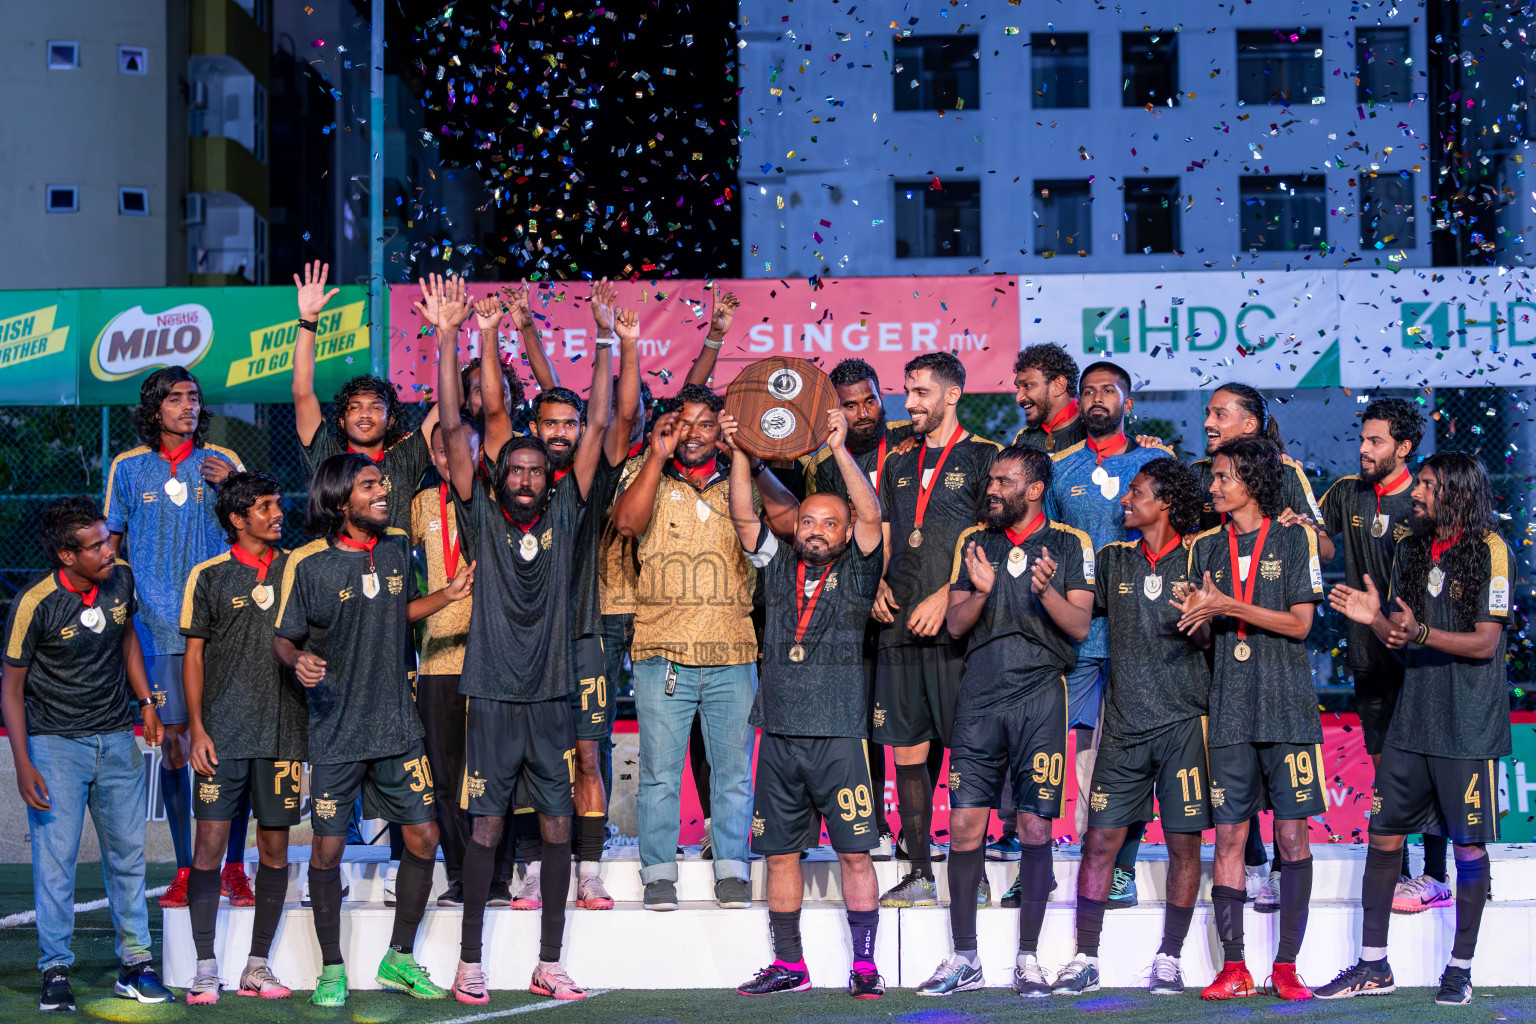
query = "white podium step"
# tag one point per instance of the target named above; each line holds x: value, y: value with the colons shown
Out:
x: 712, y: 948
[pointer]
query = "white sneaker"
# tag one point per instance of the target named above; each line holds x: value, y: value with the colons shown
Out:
x: 1268, y: 899
x: 1416, y: 895
x: 1256, y: 879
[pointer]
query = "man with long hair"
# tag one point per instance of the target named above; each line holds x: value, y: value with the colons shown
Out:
x: 345, y: 608
x: 160, y: 498
x: 367, y: 415
x: 1451, y: 586
x: 1152, y: 733
x: 1259, y: 583
x: 1370, y: 513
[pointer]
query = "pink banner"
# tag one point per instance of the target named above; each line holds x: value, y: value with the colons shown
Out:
x: 884, y: 321
x: 1347, y: 775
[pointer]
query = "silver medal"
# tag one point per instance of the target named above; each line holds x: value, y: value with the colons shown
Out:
x: 1016, y: 562
x: 1152, y: 586
x: 262, y: 595
x: 370, y: 584
x: 176, y: 491
x: 1100, y: 474
x: 93, y: 620
x: 1436, y: 581
x: 529, y: 547
x: 1379, y: 525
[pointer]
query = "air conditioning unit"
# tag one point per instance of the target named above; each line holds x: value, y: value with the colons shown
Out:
x: 195, y: 210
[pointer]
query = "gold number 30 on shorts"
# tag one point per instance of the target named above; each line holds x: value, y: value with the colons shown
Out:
x: 421, y: 772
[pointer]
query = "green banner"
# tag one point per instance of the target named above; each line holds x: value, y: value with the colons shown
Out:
x: 95, y: 347
x: 1518, y: 785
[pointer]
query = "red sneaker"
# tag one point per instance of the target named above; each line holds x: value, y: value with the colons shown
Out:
x: 1285, y: 983
x: 176, y: 895
x: 1234, y: 982
x: 235, y: 887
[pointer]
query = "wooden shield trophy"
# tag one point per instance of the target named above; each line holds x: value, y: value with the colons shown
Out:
x: 781, y: 404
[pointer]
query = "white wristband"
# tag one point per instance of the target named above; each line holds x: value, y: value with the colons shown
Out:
x: 713, y: 344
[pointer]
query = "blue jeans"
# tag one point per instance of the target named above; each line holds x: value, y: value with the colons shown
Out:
x: 722, y: 698
x: 1085, y: 691
x: 104, y: 773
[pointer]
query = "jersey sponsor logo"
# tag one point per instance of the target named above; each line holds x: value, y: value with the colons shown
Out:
x: 208, y: 792
x: 954, y: 780
x: 759, y: 826
x: 1098, y: 800
x: 158, y: 696
x: 68, y: 632
x: 903, y: 481
x: 1271, y: 569
x: 1317, y: 573
x: 324, y: 808
x: 1375, y: 804
x: 150, y: 497
x: 346, y: 594
x: 1218, y: 795
x: 120, y: 612
x: 1078, y: 490
x: 1400, y: 531
x: 239, y: 601
x: 878, y: 716
x: 1498, y: 594
x: 135, y: 341
x: 396, y: 584
x: 1126, y: 588
x: 474, y: 785
x: 954, y: 480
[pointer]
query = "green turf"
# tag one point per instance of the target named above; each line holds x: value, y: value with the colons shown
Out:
x: 95, y: 970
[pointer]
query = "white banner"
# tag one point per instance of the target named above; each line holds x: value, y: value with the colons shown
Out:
x: 1296, y: 329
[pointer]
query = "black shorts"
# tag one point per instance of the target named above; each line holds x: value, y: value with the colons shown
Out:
x: 591, y: 703
x: 1247, y: 778
x: 1441, y: 796
x: 1376, y: 691
x: 274, y: 787
x: 510, y: 743
x: 1174, y: 759
x: 397, y: 789
x: 1026, y: 745
x: 802, y: 780
x: 916, y: 686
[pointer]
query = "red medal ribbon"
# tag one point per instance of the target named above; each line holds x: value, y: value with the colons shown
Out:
x: 924, y: 492
x: 1438, y: 547
x: 261, y: 565
x: 358, y: 451
x: 450, y: 551
x: 880, y: 460
x: 1152, y: 558
x: 1015, y: 538
x: 1067, y: 414
x: 1389, y: 486
x: 803, y: 607
x: 176, y: 456
x: 1108, y: 447
x: 636, y: 448
x: 367, y: 545
x: 88, y: 596
x: 697, y: 475
x: 1243, y: 589
x: 560, y: 473
x: 520, y: 526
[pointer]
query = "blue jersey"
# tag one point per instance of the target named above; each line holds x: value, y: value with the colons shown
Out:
x: 164, y: 539
x: 1094, y: 508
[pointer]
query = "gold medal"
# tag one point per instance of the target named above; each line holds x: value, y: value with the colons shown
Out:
x: 1379, y: 526
x: 370, y: 585
x: 915, y: 539
x: 1016, y: 562
x: 529, y: 547
x: 797, y: 654
x: 1242, y: 652
x: 262, y: 595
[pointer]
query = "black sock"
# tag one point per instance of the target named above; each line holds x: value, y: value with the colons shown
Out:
x: 325, y: 907
x: 479, y: 865
x: 1035, y: 870
x: 587, y: 843
x: 1376, y: 890
x: 862, y: 925
x: 1090, y: 922
x: 413, y: 887
x: 1407, y: 865
x: 1253, y: 848
x: 784, y: 927
x: 916, y: 802
x: 1227, y: 907
x: 235, y: 852
x: 554, y: 887
x: 1471, y: 897
x: 1175, y: 928
x: 176, y: 798
x: 527, y: 840
x: 203, y: 904
x: 1295, y: 903
x: 271, y: 890
x: 1126, y: 858
x: 1434, y: 857
x: 965, y: 870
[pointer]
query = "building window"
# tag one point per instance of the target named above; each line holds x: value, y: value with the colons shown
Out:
x: 1063, y: 217
x: 1152, y: 215
x: 937, y: 73
x: 1283, y: 212
x: 1149, y: 68
x: 1280, y: 66
x: 258, y: 122
x: 1059, y: 68
x: 132, y: 60
x: 1386, y: 211
x: 62, y: 198
x: 938, y: 222
x: 63, y: 56
x: 1385, y: 65
x: 133, y: 202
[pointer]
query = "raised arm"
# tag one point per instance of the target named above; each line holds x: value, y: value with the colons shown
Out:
x: 626, y: 405
x: 867, y: 529
x: 749, y: 527
x: 493, y: 396
x: 632, y: 509
x: 312, y: 299
x: 461, y: 461
x: 722, y: 312
x: 599, y: 415
x: 533, y: 342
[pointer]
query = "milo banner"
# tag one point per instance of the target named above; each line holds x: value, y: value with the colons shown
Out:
x: 95, y: 347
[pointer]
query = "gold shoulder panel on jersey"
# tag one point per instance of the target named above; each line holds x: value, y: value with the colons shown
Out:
x: 186, y: 592
x: 1498, y: 566
x: 1162, y: 448
x: 1082, y: 538
x: 1058, y: 456
x: 395, y: 531
x: 1196, y: 539
x: 26, y: 607
x: 291, y: 567
x: 142, y: 449
x: 985, y: 440
x: 954, y: 573
x: 1341, y: 481
x: 228, y: 453
x: 122, y: 562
